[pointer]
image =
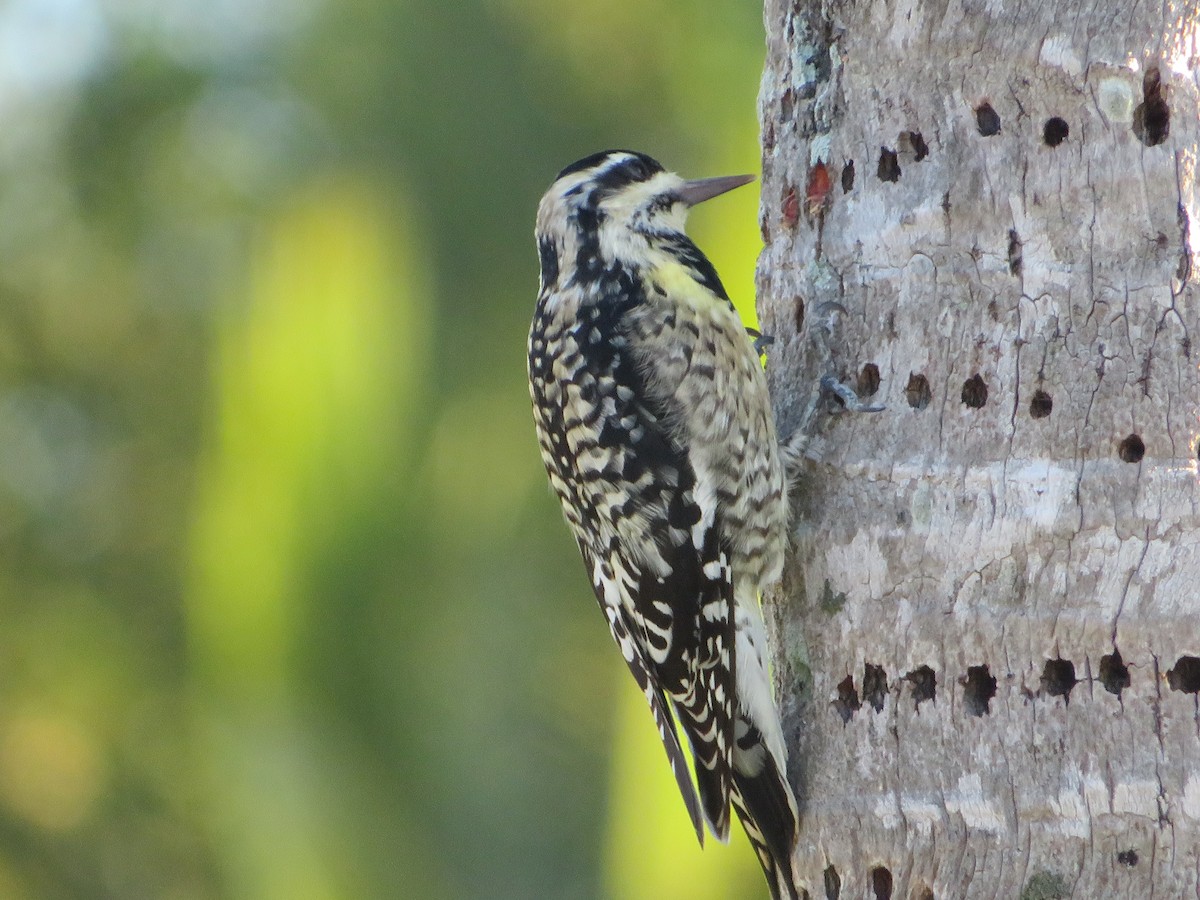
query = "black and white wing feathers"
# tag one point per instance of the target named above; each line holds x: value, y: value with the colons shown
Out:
x: 659, y: 569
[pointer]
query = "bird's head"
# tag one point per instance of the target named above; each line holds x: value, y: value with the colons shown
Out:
x: 610, y: 204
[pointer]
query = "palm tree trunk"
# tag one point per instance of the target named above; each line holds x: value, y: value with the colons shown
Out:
x: 989, y: 633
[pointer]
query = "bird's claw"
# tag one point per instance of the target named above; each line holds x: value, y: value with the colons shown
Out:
x: 849, y: 399
x: 761, y: 341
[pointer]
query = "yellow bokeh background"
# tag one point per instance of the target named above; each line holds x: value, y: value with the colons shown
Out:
x: 288, y: 609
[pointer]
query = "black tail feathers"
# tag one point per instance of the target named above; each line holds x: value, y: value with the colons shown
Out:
x: 765, y: 804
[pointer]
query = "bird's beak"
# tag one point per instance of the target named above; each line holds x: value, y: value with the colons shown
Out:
x: 693, y: 192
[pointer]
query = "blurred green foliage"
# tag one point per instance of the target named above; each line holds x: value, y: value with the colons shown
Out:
x: 287, y: 609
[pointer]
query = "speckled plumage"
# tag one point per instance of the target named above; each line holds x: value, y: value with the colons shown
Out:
x: 654, y: 423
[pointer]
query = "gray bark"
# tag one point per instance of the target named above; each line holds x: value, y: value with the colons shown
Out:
x: 1027, y: 506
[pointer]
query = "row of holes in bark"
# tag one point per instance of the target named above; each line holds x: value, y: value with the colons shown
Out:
x: 974, y: 395
x: 1151, y: 124
x: 881, y: 885
x: 1151, y: 119
x: 979, y: 685
x: 1054, y: 132
x: 1055, y: 129
x: 919, y: 394
x: 881, y: 882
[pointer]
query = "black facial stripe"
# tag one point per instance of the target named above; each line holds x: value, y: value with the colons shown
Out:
x: 549, y: 260
x: 663, y: 203
x: 587, y: 218
x: 633, y: 170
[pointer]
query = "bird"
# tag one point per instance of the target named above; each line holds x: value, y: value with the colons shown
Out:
x: 655, y: 425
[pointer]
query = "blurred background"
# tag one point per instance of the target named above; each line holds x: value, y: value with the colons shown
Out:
x: 287, y: 609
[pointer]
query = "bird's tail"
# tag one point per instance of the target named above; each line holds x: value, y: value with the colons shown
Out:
x: 767, y: 807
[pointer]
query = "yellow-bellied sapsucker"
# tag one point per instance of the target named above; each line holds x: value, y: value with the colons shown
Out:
x: 656, y: 430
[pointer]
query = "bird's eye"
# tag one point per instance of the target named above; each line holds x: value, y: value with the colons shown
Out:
x: 638, y: 169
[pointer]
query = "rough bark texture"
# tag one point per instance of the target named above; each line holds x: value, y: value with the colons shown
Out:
x: 1001, y: 196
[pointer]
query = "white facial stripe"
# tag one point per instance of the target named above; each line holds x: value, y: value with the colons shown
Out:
x: 638, y: 196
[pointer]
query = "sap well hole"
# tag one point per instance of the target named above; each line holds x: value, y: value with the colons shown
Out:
x: 1132, y: 449
x: 1041, y: 405
x: 1058, y: 678
x: 868, y: 381
x: 917, y: 391
x: 875, y: 686
x: 979, y: 687
x: 847, y: 702
x: 1114, y: 674
x: 924, y: 684
x: 1015, y: 256
x: 916, y: 142
x: 974, y: 392
x: 1152, y: 118
x: 833, y: 883
x: 881, y: 882
x: 1185, y: 677
x: 889, y: 165
x: 1055, y: 131
x: 987, y: 121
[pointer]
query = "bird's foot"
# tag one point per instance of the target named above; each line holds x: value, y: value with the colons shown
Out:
x: 831, y: 388
x: 761, y: 341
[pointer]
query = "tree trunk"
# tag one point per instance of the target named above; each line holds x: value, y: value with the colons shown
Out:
x: 988, y: 636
